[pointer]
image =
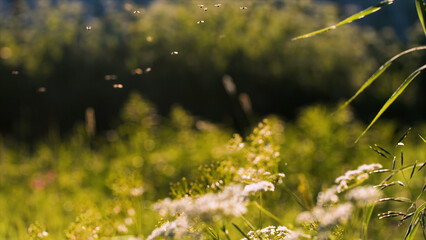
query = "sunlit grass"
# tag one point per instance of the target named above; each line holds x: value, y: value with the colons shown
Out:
x: 80, y: 189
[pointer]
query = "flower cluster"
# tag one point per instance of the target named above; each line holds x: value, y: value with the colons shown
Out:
x: 260, y: 186
x: 327, y: 217
x: 251, y: 168
x: 253, y: 175
x: 232, y: 201
x: 178, y: 229
x: 329, y: 212
x: 364, y: 196
x: 37, y: 231
x: 327, y: 197
x: 274, y: 232
x: 88, y: 225
x: 358, y: 175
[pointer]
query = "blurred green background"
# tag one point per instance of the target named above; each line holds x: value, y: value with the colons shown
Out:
x: 59, y: 58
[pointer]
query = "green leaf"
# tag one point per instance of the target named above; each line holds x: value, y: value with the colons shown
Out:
x: 394, y: 96
x: 379, y: 72
x: 350, y: 19
x: 421, y: 11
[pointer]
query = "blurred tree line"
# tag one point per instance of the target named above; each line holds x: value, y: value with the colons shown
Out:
x: 56, y: 61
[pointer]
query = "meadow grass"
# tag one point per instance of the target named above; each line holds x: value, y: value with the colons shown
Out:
x: 280, y: 182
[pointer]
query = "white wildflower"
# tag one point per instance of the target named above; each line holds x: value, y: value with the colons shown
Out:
x: 178, y: 228
x: 327, y: 217
x: 260, y: 186
x: 364, y: 195
x: 257, y: 159
x: 334, y: 216
x: 43, y: 234
x: 251, y: 174
x: 273, y: 232
x: 232, y: 201
x: 131, y: 212
x: 370, y: 167
x: 136, y: 191
x: 257, y: 175
x: 122, y: 228
x: 327, y: 197
x: 359, y: 174
x: 172, y: 207
x: 116, y: 209
x: 305, y: 218
x: 128, y: 221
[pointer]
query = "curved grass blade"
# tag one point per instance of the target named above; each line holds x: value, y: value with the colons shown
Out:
x: 421, y: 11
x: 412, y: 229
x: 350, y: 19
x: 394, y: 96
x: 379, y: 72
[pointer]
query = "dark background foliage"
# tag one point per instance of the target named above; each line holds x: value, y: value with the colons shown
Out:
x: 63, y: 52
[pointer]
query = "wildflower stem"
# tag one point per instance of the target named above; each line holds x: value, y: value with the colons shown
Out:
x: 401, y: 169
x: 367, y: 212
x: 295, y: 197
x: 260, y: 211
x: 212, y: 233
x: 248, y: 222
x: 225, y: 231
x: 268, y: 213
x: 241, y: 231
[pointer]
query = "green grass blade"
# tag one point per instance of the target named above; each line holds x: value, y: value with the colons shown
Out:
x: 412, y: 229
x: 241, y: 231
x: 414, y: 168
x: 421, y: 11
x: 350, y: 19
x: 248, y: 223
x: 267, y: 213
x: 394, y: 96
x: 368, y: 211
x: 404, y: 136
x: 295, y: 197
x: 424, y: 140
x: 212, y: 233
x: 379, y: 72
